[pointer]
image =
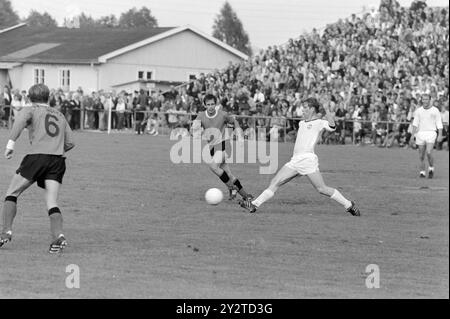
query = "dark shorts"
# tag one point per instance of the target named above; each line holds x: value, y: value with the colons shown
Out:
x: 224, y: 146
x: 40, y: 167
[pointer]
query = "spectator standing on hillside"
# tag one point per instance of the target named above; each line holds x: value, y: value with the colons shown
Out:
x: 101, y: 112
x: 16, y: 104
x: 7, y: 99
x: 76, y: 108
x: 87, y: 105
x: 66, y: 107
x: 120, y: 109
x: 139, y: 111
x: 98, y: 111
x: 340, y: 122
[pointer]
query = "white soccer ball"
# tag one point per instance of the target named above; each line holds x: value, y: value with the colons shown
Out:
x: 213, y: 196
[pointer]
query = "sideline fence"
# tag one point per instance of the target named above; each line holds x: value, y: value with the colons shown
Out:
x: 277, y: 128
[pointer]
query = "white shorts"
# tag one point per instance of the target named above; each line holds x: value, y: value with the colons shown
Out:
x: 426, y: 137
x: 304, y: 164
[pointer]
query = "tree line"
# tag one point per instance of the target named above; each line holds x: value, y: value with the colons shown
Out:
x: 227, y: 25
x: 130, y: 19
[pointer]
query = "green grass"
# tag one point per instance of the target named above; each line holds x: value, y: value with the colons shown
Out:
x: 138, y: 227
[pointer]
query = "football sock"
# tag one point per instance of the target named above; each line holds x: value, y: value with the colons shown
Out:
x: 431, y: 169
x: 56, y: 221
x: 238, y: 185
x: 264, y: 197
x: 337, y: 196
x: 224, y: 177
x: 9, y: 212
x: 422, y: 172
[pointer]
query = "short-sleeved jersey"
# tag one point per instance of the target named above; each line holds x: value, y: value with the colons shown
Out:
x: 215, y: 126
x: 49, y: 132
x: 308, y: 134
x: 427, y: 119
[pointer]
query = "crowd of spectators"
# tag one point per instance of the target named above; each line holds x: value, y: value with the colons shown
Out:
x: 374, y: 68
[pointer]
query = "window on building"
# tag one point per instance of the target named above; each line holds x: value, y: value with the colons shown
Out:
x: 39, y: 76
x: 145, y: 75
x: 65, y: 79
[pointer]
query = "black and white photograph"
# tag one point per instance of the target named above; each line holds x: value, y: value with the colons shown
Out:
x: 224, y: 154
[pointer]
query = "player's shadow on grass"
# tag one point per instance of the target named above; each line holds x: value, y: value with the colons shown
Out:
x: 351, y: 172
x: 293, y: 202
x: 289, y: 207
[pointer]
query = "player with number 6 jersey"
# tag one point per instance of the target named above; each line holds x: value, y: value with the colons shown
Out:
x: 50, y: 138
x: 49, y: 132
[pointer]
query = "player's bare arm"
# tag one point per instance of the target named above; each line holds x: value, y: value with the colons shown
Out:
x: 439, y: 127
x: 328, y: 116
x: 9, y: 149
x: 439, y: 137
x: 22, y: 121
x: 68, y: 139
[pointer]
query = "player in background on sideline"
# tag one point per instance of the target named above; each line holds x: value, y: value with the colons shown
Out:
x: 214, y: 121
x: 445, y: 136
x: 305, y: 161
x: 427, y: 120
x: 50, y: 138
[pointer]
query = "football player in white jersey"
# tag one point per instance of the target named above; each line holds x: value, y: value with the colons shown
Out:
x: 427, y: 120
x: 305, y: 161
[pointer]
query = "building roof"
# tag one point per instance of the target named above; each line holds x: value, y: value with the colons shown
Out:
x: 169, y: 33
x: 64, y: 45
x: 12, y: 27
x: 84, y: 45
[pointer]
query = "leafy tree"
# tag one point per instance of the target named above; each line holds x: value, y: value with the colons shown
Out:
x: 37, y: 19
x: 134, y: 18
x: 110, y: 21
x: 418, y: 5
x: 229, y: 29
x: 8, y: 17
x: 85, y: 21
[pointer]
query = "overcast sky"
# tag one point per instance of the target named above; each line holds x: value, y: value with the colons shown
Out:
x: 267, y: 22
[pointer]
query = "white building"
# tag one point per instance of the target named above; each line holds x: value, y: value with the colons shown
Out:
x: 109, y: 59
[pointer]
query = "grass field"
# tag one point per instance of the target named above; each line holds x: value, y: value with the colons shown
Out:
x: 138, y: 227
